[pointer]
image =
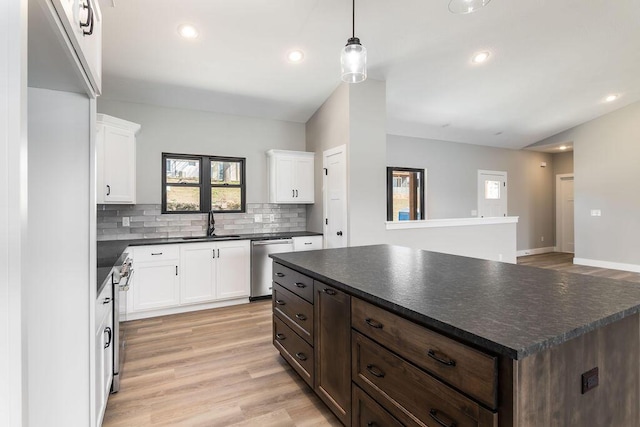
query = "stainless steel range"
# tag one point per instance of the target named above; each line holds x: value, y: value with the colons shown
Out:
x: 121, y: 276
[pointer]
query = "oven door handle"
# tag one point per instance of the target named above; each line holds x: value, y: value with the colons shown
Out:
x: 125, y: 287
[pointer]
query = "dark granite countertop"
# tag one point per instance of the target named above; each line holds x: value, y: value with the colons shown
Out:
x: 110, y: 251
x: 504, y: 308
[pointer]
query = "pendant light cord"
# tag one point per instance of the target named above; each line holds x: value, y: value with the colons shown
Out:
x: 353, y: 17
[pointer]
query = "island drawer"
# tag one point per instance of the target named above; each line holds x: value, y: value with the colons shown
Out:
x: 294, y: 349
x: 296, y: 282
x: 156, y: 253
x: 367, y: 412
x: 405, y: 389
x: 294, y: 311
x: 465, y: 368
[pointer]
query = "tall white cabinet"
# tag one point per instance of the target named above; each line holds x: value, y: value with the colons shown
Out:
x: 290, y: 176
x: 116, y: 153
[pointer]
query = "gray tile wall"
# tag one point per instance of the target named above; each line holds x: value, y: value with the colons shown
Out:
x: 146, y: 221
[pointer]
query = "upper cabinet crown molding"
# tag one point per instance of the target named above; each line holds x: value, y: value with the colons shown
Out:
x: 290, y: 176
x: 119, y: 123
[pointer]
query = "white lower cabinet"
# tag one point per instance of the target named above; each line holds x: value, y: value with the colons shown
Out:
x: 155, y: 285
x: 103, y: 351
x: 307, y: 243
x: 233, y: 269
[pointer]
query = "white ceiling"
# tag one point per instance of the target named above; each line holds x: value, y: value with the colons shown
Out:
x: 552, y: 62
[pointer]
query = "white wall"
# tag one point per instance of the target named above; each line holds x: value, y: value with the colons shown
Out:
x: 182, y: 131
x: 607, y: 177
x: 452, y: 180
x: 327, y: 128
x: 13, y: 215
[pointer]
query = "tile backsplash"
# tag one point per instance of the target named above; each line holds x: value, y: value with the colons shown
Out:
x: 147, y: 222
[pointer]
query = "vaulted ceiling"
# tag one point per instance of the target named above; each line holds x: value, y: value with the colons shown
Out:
x: 551, y: 63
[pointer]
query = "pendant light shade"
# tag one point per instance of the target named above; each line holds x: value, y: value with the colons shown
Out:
x: 354, y: 56
x: 466, y: 6
x: 354, y: 61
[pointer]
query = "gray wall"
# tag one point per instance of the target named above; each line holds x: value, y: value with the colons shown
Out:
x: 327, y: 128
x: 607, y: 177
x: 199, y: 132
x: 563, y: 163
x: 452, y: 177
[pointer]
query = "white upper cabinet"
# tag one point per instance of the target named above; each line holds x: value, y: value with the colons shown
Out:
x: 116, y: 153
x: 82, y: 22
x: 290, y: 176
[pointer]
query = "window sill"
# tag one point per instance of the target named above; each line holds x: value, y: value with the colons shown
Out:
x: 450, y: 222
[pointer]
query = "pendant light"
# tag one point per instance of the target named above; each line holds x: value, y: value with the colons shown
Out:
x: 466, y: 6
x: 354, y: 56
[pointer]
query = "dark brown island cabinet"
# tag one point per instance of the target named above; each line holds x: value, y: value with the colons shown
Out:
x: 374, y: 367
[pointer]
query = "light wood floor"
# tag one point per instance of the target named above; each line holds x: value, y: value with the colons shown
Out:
x: 210, y: 368
x: 219, y: 368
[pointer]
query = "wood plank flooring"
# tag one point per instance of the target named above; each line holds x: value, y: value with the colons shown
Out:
x: 218, y: 367
x: 210, y: 368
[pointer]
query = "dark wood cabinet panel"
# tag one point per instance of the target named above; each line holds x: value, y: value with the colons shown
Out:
x: 294, y: 311
x: 296, y: 282
x: 368, y: 413
x: 294, y: 349
x: 332, y: 347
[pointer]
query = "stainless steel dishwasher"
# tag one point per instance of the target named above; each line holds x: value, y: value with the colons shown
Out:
x: 261, y: 265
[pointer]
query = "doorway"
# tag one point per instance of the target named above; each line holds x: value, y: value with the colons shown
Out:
x: 334, y: 193
x: 564, y: 213
x: 492, y: 193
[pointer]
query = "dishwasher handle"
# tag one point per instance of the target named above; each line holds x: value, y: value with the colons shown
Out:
x: 272, y: 242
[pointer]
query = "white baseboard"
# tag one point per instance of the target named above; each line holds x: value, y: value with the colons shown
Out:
x: 536, y: 251
x: 635, y: 268
x: 181, y: 309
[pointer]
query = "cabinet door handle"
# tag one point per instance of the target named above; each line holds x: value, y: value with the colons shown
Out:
x: 329, y: 291
x: 300, y: 285
x: 214, y: 253
x: 218, y: 253
x: 108, y: 190
x: 446, y: 362
x: 156, y: 253
x: 434, y: 414
x: 301, y: 356
x: 339, y: 233
x: 373, y: 323
x: 280, y: 337
x: 91, y: 19
x: 89, y: 13
x: 176, y: 270
x: 301, y: 316
x: 307, y: 243
x: 293, y: 193
x: 280, y: 274
x: 375, y: 371
x: 280, y: 302
x: 107, y: 330
x: 107, y: 300
x: 296, y: 193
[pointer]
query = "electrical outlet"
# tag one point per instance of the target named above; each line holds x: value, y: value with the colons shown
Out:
x: 272, y: 217
x: 126, y: 221
x: 596, y: 212
x: 257, y: 218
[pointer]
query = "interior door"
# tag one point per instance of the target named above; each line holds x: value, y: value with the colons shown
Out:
x: 335, y: 197
x: 565, y: 213
x: 492, y: 193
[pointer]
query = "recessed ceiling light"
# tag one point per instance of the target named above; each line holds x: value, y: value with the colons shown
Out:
x: 480, y: 57
x: 295, y: 55
x: 187, y: 31
x: 611, y: 98
x: 563, y: 147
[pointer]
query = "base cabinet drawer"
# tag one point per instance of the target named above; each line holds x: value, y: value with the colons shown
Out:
x: 294, y: 311
x: 404, y: 389
x: 368, y: 413
x: 294, y: 349
x: 296, y: 282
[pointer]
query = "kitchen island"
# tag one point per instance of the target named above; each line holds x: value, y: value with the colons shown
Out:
x: 442, y: 340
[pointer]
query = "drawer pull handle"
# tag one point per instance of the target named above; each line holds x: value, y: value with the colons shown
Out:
x: 375, y: 371
x: 434, y: 414
x: 301, y: 316
x: 280, y: 274
x: 300, y: 285
x: 280, y: 302
x: 373, y: 323
x: 301, y: 356
x: 156, y: 253
x: 329, y: 291
x: 280, y: 337
x: 447, y: 362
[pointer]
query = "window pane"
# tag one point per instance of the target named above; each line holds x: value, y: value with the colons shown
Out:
x: 183, y: 171
x: 226, y: 173
x: 183, y: 199
x: 226, y: 199
x: 492, y: 190
x: 406, y: 196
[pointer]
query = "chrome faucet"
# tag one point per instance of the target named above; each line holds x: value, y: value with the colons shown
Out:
x: 211, y: 225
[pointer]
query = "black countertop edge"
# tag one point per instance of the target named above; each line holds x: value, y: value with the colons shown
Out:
x: 105, y: 272
x: 465, y: 336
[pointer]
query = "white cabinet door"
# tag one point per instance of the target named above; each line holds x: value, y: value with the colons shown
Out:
x: 197, y: 281
x: 99, y: 373
x: 284, y: 179
x: 119, y: 165
x: 307, y: 243
x: 156, y: 285
x: 233, y: 266
x: 108, y: 355
x: 303, y: 180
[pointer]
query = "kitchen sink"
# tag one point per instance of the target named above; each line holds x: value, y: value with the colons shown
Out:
x: 206, y: 238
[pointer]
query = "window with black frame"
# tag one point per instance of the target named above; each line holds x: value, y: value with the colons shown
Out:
x: 196, y: 184
x: 405, y: 194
